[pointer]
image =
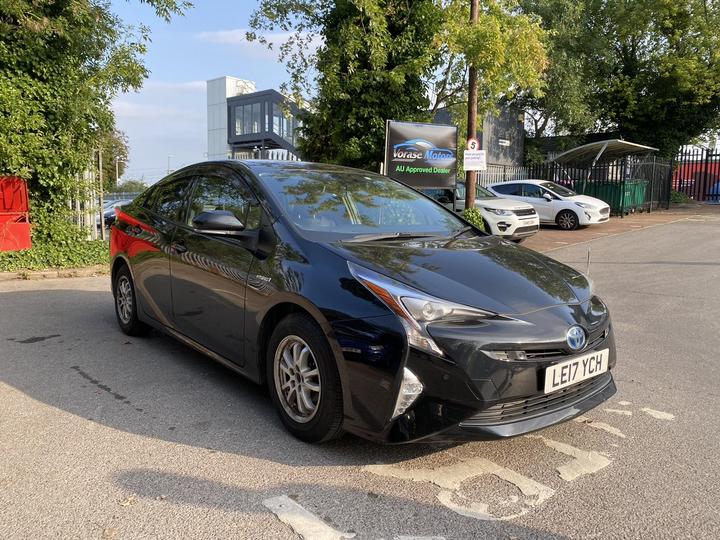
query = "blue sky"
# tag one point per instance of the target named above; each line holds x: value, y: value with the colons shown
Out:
x: 167, y: 116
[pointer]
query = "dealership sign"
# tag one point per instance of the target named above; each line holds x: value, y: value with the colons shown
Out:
x: 421, y: 155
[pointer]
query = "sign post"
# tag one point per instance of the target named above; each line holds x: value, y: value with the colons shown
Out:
x: 421, y: 155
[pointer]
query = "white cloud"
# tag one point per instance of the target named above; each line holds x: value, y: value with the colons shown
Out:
x: 238, y: 39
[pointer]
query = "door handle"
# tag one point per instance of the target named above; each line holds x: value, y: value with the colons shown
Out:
x: 179, y: 247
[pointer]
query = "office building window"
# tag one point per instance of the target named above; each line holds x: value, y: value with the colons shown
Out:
x: 247, y: 118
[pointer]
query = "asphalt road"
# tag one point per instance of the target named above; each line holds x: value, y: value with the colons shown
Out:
x: 102, y: 436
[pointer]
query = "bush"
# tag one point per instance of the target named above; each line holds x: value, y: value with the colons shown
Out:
x: 474, y: 216
x: 678, y: 197
x: 44, y: 255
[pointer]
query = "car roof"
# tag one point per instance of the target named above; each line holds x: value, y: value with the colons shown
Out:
x: 259, y: 166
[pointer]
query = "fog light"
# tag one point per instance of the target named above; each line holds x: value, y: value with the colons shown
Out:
x: 410, y: 389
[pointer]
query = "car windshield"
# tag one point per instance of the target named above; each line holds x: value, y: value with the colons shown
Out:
x: 340, y: 204
x: 558, y: 189
x: 480, y: 192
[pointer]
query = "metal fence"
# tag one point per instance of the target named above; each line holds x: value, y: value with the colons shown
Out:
x: 696, y: 173
x: 627, y: 185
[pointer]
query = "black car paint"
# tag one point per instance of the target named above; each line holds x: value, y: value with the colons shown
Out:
x: 223, y: 295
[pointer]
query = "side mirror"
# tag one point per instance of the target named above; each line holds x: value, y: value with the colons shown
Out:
x: 218, y: 221
x: 547, y: 197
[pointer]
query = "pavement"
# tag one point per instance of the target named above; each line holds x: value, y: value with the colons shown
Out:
x: 105, y: 436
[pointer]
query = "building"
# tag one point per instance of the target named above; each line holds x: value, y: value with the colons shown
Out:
x: 244, y: 123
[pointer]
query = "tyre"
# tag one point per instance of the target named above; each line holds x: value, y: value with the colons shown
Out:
x: 567, y: 220
x: 304, y: 381
x: 126, y: 305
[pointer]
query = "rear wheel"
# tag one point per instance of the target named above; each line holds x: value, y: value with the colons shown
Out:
x: 567, y: 220
x: 304, y: 381
x: 126, y: 304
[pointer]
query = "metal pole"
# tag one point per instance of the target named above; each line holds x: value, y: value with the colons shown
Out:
x: 100, y: 188
x: 117, y: 171
x: 470, y: 176
x: 168, y: 169
x: 652, y: 186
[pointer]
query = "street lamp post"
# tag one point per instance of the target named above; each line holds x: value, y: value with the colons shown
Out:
x: 168, y: 169
x: 117, y: 169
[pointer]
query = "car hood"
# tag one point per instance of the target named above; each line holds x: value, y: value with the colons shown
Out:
x: 483, y: 272
x: 499, y: 203
x: 597, y: 203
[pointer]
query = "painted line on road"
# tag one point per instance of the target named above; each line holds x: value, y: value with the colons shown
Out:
x: 303, y: 522
x: 451, y: 477
x: 600, y: 425
x: 660, y: 415
x: 584, y: 462
x: 618, y: 411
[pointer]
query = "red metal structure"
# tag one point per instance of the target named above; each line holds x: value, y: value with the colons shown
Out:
x: 14, y: 214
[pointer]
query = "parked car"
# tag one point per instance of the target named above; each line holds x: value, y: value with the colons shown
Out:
x: 555, y: 203
x: 364, y: 305
x: 509, y: 219
x: 109, y: 212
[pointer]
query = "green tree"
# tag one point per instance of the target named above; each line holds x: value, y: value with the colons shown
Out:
x: 654, y: 68
x: 565, y: 106
x: 131, y: 186
x: 394, y: 59
x: 61, y: 63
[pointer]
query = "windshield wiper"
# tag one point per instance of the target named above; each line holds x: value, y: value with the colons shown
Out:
x: 387, y: 236
x: 459, y: 233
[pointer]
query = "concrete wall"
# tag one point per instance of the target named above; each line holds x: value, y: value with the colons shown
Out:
x: 218, y: 90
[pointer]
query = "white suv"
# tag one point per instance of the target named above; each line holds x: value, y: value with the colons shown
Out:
x: 511, y: 220
x: 555, y: 203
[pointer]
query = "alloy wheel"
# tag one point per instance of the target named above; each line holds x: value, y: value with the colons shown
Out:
x: 567, y: 221
x: 297, y: 379
x: 124, y: 299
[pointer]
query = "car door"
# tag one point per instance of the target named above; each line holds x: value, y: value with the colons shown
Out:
x: 148, y: 235
x: 209, y: 270
x: 534, y: 195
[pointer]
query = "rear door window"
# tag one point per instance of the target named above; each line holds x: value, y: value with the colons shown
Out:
x: 509, y: 189
x: 169, y: 200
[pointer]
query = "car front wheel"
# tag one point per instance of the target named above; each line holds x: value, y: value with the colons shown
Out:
x: 304, y: 381
x: 567, y: 220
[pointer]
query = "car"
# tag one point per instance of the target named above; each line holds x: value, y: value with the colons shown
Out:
x: 509, y: 219
x: 362, y: 304
x: 555, y: 203
x: 109, y: 212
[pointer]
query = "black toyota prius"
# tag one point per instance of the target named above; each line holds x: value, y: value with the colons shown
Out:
x: 364, y: 305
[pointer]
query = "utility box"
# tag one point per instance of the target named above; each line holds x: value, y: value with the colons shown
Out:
x: 14, y: 214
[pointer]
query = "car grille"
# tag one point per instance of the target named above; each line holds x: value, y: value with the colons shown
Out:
x: 537, y: 405
x: 525, y: 212
x: 605, y: 211
x: 551, y: 353
x: 521, y: 230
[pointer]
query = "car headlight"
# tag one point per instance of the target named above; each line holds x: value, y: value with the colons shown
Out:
x: 415, y: 309
x: 585, y: 205
x: 498, y: 212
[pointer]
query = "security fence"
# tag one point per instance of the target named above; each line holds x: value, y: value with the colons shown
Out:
x: 627, y: 185
x: 697, y: 174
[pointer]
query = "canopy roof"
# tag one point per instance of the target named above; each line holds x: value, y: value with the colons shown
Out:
x: 610, y: 150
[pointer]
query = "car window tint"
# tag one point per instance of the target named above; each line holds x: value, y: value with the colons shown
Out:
x: 216, y: 193
x: 508, y: 189
x: 168, y: 199
x: 532, y: 190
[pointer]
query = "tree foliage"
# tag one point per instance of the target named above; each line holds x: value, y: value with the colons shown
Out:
x: 61, y: 63
x: 649, y: 69
x: 394, y: 59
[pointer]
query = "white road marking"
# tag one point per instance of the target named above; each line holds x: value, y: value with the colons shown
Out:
x: 600, y: 425
x: 618, y: 411
x: 658, y: 414
x: 584, y: 462
x: 624, y: 403
x: 451, y: 477
x: 303, y: 522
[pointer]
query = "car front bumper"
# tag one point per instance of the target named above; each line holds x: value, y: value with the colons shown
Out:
x: 591, y: 216
x: 469, y: 395
x: 511, y: 227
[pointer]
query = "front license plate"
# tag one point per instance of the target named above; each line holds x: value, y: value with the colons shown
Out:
x: 576, y: 370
